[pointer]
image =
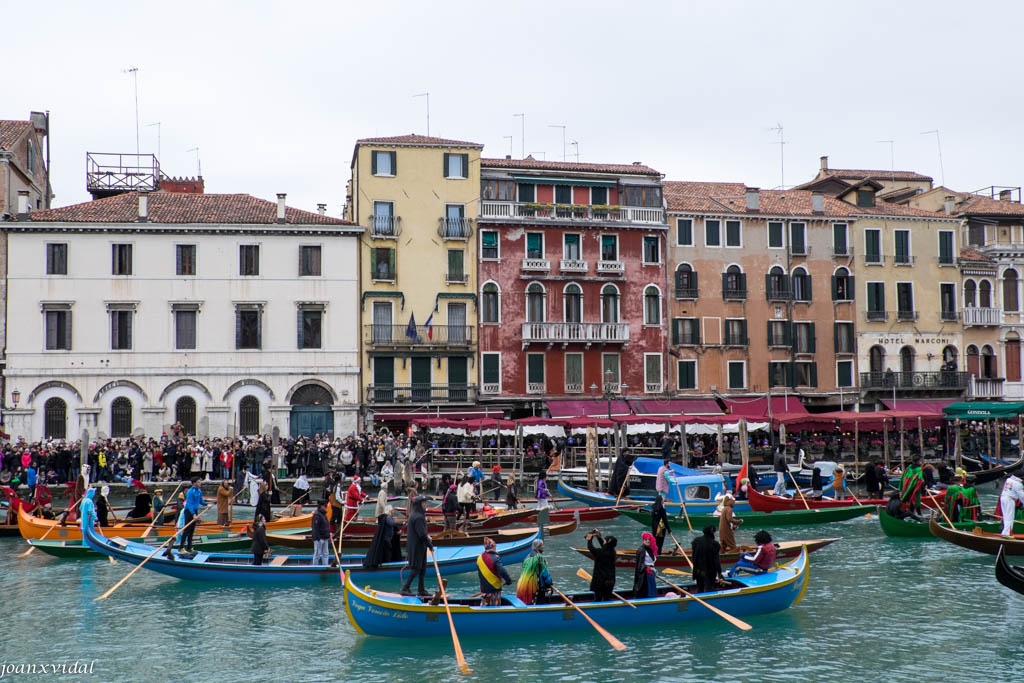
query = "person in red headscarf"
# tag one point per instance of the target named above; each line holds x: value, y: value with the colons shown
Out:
x: 644, y: 578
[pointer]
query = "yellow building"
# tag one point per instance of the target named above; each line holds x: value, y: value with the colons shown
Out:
x: 416, y: 196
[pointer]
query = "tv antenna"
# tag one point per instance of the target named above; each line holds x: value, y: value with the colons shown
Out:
x: 782, y: 154
x: 576, y: 147
x: 157, y: 124
x: 427, y: 95
x: 199, y: 165
x: 522, y: 137
x: 938, y: 141
x: 134, y: 71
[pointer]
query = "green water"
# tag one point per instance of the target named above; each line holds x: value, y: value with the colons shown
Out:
x: 877, y: 609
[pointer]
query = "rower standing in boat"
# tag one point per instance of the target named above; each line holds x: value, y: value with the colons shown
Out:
x: 602, y: 582
x: 224, y: 494
x: 260, y: 547
x: 781, y: 468
x: 512, y: 493
x: 644, y: 577
x: 816, y: 485
x: 839, y: 483
x: 321, y: 531
x: 659, y: 522
x: 450, y: 507
x: 417, y: 543
x: 728, y: 523
x: 1011, y: 496
x: 492, y: 574
x: 103, y: 506
x: 193, y: 501
x: 707, y: 560
x: 661, y: 479
x: 535, y: 582
x: 912, y: 485
x: 354, y: 497
x: 143, y: 505
x: 542, y: 490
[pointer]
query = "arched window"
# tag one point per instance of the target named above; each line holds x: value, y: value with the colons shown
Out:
x: 777, y: 284
x: 985, y: 294
x: 55, y: 422
x: 609, y: 304
x: 877, y: 359
x: 249, y: 416
x: 490, y: 303
x: 686, y: 282
x: 572, y: 303
x: 973, y: 360
x: 120, y: 417
x: 1010, y: 301
x: 801, y: 285
x: 734, y: 283
x: 652, y: 305
x: 970, y: 294
x: 535, y: 303
x: 988, y: 362
x: 842, y: 285
x: 1011, y: 349
x: 907, y: 359
x: 185, y: 414
x: 950, y: 355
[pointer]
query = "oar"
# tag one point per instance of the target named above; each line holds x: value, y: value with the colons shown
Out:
x: 337, y: 558
x: 160, y: 514
x: 673, y: 570
x: 582, y: 573
x: 682, y: 550
x: 290, y: 505
x: 799, y: 490
x: 50, y: 530
x: 341, y: 531
x: 459, y: 657
x: 622, y: 488
x: 150, y: 557
x: 939, y: 508
x: 682, y: 505
x: 738, y: 623
x: 612, y: 640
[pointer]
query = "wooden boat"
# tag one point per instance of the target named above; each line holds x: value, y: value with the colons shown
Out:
x: 785, y: 550
x: 764, y: 502
x: 556, y: 515
x: 78, y: 550
x: 1010, y: 576
x: 285, y: 569
x: 444, y: 538
x: 377, y: 613
x: 698, y: 494
x: 365, y: 526
x: 910, y: 528
x: 757, y: 520
x: 983, y: 476
x: 978, y: 540
x: 37, y: 527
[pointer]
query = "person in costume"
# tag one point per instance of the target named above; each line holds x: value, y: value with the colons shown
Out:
x: 534, y: 582
x: 492, y: 574
x: 384, y: 546
x: 604, y: 551
x: 417, y: 544
x: 354, y: 497
x: 263, y: 507
x: 644, y: 578
x: 103, y: 507
x: 450, y: 507
x: 728, y: 523
x: 224, y: 495
x: 193, y: 501
x: 512, y: 493
x: 143, y: 505
x: 707, y: 560
x: 961, y: 502
x: 321, y: 531
x: 1012, y: 494
x: 542, y: 490
x: 260, y: 547
x: 300, y: 492
x: 659, y: 522
x: 87, y: 509
x: 912, y: 486
x: 759, y: 561
x: 839, y: 483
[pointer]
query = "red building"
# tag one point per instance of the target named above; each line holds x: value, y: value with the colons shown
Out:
x: 572, y: 281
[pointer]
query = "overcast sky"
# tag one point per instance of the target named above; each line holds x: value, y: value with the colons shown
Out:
x: 274, y: 95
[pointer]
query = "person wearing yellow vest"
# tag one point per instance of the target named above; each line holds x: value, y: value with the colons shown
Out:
x: 492, y: 574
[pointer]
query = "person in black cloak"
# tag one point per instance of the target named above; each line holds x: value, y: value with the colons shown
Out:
x: 602, y: 582
x: 384, y: 547
x: 707, y: 561
x: 143, y: 505
x: 659, y: 522
x: 417, y: 544
x: 620, y: 475
x: 871, y: 482
x: 103, y: 507
x: 263, y: 504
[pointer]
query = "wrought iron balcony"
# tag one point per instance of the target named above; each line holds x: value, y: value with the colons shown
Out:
x: 874, y: 259
x: 455, y: 228
x: 438, y: 336
x: 778, y: 293
x: 877, y: 316
x: 392, y: 394
x: 903, y: 260
x: 572, y: 333
x: 385, y: 227
x: 540, y: 212
x: 949, y: 316
x: 906, y: 316
x: 686, y: 292
x: 733, y: 294
x: 974, y: 316
x: 943, y: 380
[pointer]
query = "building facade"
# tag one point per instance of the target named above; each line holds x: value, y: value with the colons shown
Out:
x: 228, y: 314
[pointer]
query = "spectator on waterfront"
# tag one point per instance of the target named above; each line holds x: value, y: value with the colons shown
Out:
x: 707, y: 561
x: 728, y: 523
x: 534, y: 582
x: 781, y: 469
x: 659, y: 522
x: 644, y: 577
x: 542, y: 490
x: 417, y: 544
x: 604, y: 551
x: 224, y: 494
x: 761, y: 560
x: 321, y: 532
x: 492, y: 574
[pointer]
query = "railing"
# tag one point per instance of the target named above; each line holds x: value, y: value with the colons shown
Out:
x: 573, y: 212
x: 906, y: 316
x: 903, y: 260
x: 842, y: 253
x: 574, y: 387
x: 949, y: 315
x: 490, y: 388
x: 611, y: 266
x: 733, y: 295
x: 877, y: 316
x: 456, y: 278
x: 982, y: 316
x: 686, y: 339
x: 536, y: 264
x: 455, y: 228
x: 535, y: 388
x: 652, y: 387
x: 436, y: 335
x: 575, y: 332
x: 874, y: 259
x: 775, y: 293
x: 573, y: 265
x: 982, y: 387
x: 420, y: 393
x: 385, y: 227
x: 686, y: 292
x: 946, y: 379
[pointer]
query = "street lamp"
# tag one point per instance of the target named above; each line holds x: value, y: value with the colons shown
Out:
x: 15, y: 397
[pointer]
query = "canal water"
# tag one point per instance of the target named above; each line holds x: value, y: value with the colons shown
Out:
x: 877, y: 609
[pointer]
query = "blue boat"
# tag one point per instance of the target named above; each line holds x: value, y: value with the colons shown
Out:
x: 698, y: 494
x: 377, y: 613
x: 286, y: 569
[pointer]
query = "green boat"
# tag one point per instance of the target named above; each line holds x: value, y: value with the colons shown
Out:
x: 909, y: 528
x: 207, y: 542
x: 760, y: 519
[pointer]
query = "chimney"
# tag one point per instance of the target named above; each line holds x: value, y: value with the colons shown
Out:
x: 818, y: 201
x: 753, y: 199
x: 948, y: 203
x: 321, y: 209
x: 508, y: 157
x: 22, y: 204
x: 280, y: 206
x: 143, y: 207
x: 824, y: 164
x: 1006, y: 195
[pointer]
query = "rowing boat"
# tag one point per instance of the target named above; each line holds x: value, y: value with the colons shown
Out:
x: 368, y: 526
x: 784, y: 550
x: 78, y: 550
x: 698, y: 493
x: 757, y: 520
x: 763, y: 502
x: 1007, y: 574
x: 978, y: 540
x: 983, y: 476
x: 599, y: 513
x: 910, y: 528
x: 284, y: 569
x: 377, y: 613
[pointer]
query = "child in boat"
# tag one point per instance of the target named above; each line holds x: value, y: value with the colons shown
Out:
x: 760, y: 560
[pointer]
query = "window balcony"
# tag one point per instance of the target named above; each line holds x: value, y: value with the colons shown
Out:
x: 778, y: 293
x: 800, y: 250
x: 490, y: 388
x: 611, y: 267
x: 456, y: 278
x: 906, y: 316
x: 733, y: 295
x: 949, y: 316
x: 574, y: 387
x: 686, y: 292
x: 903, y: 260
x: 534, y: 264
x: 913, y: 381
x: 405, y: 394
x: 987, y: 387
x: 573, y: 265
x: 575, y: 333
x: 535, y: 388
x: 401, y: 336
x: 455, y: 228
x: 874, y: 259
x: 385, y: 227
x: 573, y: 213
x: 652, y: 387
x: 842, y: 253
x: 877, y: 316
x: 980, y: 317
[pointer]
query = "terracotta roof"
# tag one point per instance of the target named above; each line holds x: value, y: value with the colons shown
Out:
x: 860, y: 174
x: 725, y: 198
x: 182, y: 208
x: 414, y: 139
x: 974, y: 256
x: 531, y: 164
x: 11, y: 131
x: 986, y: 206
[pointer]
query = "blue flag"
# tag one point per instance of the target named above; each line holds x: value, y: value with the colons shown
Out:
x: 410, y: 331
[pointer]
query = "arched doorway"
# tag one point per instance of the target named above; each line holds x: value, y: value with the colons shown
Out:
x: 907, y: 359
x: 877, y: 359
x: 311, y: 411
x: 249, y: 416
x: 185, y: 414
x: 120, y: 417
x: 55, y: 419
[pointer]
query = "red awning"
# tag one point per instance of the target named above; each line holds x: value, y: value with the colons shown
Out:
x: 680, y: 406
x: 921, y: 405
x: 593, y: 408
x: 667, y: 407
x: 406, y: 416
x: 758, y: 407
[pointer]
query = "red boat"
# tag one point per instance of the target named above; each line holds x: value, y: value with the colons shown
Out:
x: 556, y: 515
x: 766, y: 502
x: 495, y: 521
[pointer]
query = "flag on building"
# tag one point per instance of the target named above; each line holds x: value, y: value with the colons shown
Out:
x: 430, y: 326
x: 410, y: 331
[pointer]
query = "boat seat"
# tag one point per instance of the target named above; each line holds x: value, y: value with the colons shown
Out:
x: 278, y: 561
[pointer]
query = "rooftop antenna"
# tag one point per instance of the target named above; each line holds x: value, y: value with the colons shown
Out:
x: 576, y: 145
x: 134, y: 71
x: 509, y: 138
x: 427, y: 95
x: 938, y: 141
x: 199, y: 165
x: 782, y: 155
x: 892, y: 156
x: 562, y: 126
x: 522, y: 137
x: 157, y: 124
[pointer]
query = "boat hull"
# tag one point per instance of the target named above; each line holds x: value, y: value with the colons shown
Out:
x: 908, y: 528
x: 786, y: 550
x: 762, y: 502
x: 979, y: 541
x: 693, y: 507
x: 752, y: 520
x: 441, y: 539
x: 1010, y: 576
x: 78, y: 550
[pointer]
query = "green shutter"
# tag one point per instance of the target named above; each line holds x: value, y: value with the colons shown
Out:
x: 465, y: 165
x: 238, y: 329
x: 771, y: 340
x: 299, y: 327
x: 812, y: 346
x: 373, y: 162
x: 394, y: 162
x: 790, y: 374
x: 814, y: 374
x: 743, y: 333
x: 810, y: 296
x: 444, y: 165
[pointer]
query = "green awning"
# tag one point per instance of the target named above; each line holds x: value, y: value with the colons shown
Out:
x: 550, y: 180
x: 983, y: 410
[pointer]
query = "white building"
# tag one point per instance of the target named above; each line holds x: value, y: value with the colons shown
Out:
x: 226, y: 313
